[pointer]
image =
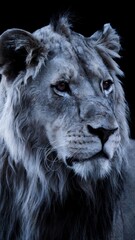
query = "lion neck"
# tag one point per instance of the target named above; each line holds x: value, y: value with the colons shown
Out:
x: 89, y: 206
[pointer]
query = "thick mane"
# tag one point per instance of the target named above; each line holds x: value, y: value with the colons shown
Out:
x: 64, y: 134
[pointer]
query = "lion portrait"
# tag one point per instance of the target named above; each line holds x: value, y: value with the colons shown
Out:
x: 66, y: 156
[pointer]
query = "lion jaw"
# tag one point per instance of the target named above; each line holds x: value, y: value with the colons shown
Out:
x: 84, y: 153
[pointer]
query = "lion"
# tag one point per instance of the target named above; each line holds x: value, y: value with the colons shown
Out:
x: 66, y: 155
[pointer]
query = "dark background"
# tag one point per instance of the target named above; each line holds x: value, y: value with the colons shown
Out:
x: 88, y: 17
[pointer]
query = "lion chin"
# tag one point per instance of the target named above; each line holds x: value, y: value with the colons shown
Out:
x: 96, y: 166
x: 98, y: 169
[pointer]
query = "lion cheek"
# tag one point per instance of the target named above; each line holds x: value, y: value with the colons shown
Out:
x: 56, y: 137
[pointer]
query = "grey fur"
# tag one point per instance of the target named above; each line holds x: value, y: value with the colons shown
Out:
x: 59, y: 119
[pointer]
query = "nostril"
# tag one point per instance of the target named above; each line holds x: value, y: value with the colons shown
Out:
x: 101, y: 132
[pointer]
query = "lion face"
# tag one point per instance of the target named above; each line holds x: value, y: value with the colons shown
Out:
x: 82, y: 127
x: 68, y: 88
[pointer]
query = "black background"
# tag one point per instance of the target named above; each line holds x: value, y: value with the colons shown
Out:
x: 87, y: 17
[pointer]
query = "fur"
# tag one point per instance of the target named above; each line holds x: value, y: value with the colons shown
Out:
x: 63, y: 135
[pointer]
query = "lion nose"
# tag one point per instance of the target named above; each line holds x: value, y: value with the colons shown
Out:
x: 101, y: 132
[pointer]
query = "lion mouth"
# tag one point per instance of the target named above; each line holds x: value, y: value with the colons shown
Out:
x: 96, y: 156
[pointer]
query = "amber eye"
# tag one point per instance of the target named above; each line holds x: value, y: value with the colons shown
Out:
x: 61, y: 87
x: 106, y: 85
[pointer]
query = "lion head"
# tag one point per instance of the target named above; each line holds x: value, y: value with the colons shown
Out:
x: 61, y: 98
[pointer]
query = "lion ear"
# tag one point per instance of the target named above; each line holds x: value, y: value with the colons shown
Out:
x: 18, y: 50
x: 107, y: 40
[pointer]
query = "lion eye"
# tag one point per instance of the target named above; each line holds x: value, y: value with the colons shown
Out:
x: 107, y: 86
x: 61, y: 87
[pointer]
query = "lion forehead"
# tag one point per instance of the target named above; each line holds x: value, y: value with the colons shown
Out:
x: 72, y: 51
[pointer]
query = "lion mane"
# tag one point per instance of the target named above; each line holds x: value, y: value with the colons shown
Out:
x: 65, y: 148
